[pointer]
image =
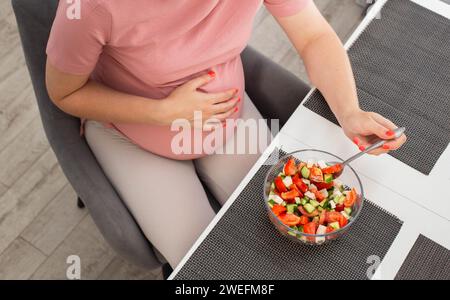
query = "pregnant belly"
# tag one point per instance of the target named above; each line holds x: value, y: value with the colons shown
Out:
x: 166, y: 140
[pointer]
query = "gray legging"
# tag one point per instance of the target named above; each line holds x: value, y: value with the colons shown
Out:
x: 166, y: 196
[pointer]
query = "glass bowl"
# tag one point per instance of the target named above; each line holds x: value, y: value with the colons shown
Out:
x: 348, y: 178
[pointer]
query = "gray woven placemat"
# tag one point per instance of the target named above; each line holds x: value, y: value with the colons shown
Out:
x: 401, y: 64
x: 244, y: 244
x: 427, y: 260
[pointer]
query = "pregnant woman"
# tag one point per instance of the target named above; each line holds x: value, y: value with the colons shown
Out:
x: 132, y: 68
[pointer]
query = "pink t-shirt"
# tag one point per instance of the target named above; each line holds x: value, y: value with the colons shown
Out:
x: 150, y: 47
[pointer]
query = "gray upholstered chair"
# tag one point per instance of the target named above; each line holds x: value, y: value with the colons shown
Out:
x: 275, y: 91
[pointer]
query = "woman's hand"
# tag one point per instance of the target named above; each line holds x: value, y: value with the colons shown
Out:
x: 186, y: 99
x: 329, y: 70
x: 363, y: 127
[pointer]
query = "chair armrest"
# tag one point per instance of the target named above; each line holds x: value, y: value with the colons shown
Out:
x: 275, y: 91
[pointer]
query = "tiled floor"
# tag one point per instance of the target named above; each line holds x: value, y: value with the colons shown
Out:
x: 40, y: 224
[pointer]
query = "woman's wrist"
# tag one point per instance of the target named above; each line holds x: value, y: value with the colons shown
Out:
x: 343, y: 114
x: 156, y: 112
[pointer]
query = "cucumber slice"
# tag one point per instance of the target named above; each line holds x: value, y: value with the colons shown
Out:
x: 271, y: 203
x: 316, y: 219
x: 323, y: 203
x: 348, y: 210
x: 314, y: 203
x: 341, y: 199
x: 291, y: 208
x: 320, y: 208
x: 345, y: 215
x: 328, y: 178
x: 309, y: 208
x: 292, y: 233
x: 335, y: 225
x: 298, y: 200
x: 305, y: 172
x: 304, y: 201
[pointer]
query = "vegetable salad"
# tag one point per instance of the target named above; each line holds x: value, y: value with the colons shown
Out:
x: 307, y: 197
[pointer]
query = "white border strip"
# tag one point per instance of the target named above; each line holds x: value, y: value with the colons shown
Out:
x: 371, y: 15
x: 437, y: 6
x: 397, y: 253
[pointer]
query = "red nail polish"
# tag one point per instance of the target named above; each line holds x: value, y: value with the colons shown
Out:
x: 239, y: 100
x: 390, y: 133
x: 236, y: 109
x: 386, y: 147
x: 212, y: 74
x: 356, y: 140
x: 224, y: 124
x: 362, y: 148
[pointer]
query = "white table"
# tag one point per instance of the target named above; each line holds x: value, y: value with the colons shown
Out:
x: 387, y: 181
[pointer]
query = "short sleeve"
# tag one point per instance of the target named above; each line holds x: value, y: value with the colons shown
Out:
x: 285, y: 8
x: 77, y: 40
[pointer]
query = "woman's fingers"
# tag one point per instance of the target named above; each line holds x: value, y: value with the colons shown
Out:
x: 356, y: 140
x: 383, y: 121
x: 392, y: 144
x: 373, y: 128
x: 395, y: 144
x: 201, y: 80
x: 363, y: 142
x: 225, y: 115
x: 225, y: 106
x: 215, y: 98
x: 378, y: 129
x: 221, y: 112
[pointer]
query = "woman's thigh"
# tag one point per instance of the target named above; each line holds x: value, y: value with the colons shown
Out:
x: 222, y: 173
x: 165, y: 196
